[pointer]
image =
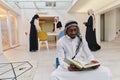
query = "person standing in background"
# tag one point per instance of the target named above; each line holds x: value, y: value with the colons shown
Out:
x: 57, y: 25
x: 34, y: 29
x: 91, y: 32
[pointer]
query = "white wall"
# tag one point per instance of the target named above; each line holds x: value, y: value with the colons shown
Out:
x: 112, y: 19
x: 1, y: 51
x: 110, y: 25
x: 117, y: 21
x: 97, y: 17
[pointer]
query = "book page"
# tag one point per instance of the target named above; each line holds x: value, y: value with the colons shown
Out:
x: 91, y: 65
x: 73, y: 62
x: 79, y: 65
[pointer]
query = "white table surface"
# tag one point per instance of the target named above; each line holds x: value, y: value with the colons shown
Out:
x: 52, y: 33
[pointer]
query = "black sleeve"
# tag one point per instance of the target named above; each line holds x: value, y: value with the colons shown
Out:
x: 90, y: 22
x: 59, y: 24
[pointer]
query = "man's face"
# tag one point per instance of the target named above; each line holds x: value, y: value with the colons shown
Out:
x: 72, y: 31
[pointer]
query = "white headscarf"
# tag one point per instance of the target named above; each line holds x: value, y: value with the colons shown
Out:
x: 72, y: 23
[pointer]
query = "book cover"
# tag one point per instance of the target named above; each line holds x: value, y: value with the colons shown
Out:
x: 80, y: 65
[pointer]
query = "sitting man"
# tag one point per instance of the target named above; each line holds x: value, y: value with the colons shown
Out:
x: 73, y: 46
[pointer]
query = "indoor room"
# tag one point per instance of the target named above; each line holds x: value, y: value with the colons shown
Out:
x: 19, y: 62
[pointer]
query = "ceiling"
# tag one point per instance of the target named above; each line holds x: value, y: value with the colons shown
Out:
x: 84, y: 5
x: 79, y: 6
x: 39, y: 4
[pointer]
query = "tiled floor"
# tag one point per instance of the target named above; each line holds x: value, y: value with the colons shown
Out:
x: 44, y: 62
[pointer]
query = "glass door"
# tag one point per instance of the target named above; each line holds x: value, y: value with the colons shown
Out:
x: 9, y: 31
x: 4, y: 33
x: 13, y: 30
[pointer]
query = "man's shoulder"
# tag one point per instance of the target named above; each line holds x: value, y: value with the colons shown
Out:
x: 83, y: 39
x: 62, y: 38
x: 61, y: 41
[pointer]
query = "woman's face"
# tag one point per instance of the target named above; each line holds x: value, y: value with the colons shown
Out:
x: 55, y: 19
x: 72, y: 31
x: 88, y: 13
x: 37, y: 18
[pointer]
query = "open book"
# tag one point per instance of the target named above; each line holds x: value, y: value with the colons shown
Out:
x: 80, y: 65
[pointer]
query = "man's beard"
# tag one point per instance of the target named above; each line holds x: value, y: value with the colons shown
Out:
x: 72, y: 37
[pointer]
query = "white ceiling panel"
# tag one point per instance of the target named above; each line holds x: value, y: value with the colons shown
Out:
x: 84, y: 5
x: 25, y: 5
x: 38, y: 4
x: 79, y: 6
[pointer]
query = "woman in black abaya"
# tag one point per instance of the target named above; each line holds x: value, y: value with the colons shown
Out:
x: 34, y: 29
x: 91, y: 32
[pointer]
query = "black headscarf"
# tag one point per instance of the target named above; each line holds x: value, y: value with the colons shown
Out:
x: 34, y: 17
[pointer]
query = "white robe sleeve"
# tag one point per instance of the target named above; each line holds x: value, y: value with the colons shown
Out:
x: 84, y: 55
x: 61, y: 55
x: 37, y: 25
x: 87, y: 51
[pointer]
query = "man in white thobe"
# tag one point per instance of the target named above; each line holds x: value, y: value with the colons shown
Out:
x: 73, y: 46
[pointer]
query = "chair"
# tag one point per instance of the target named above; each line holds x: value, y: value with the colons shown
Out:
x: 61, y: 34
x: 42, y: 36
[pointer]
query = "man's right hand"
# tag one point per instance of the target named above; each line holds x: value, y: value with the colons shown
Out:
x: 73, y: 68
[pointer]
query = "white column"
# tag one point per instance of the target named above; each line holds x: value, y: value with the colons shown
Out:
x: 98, y: 27
x: 9, y: 28
x: 1, y: 49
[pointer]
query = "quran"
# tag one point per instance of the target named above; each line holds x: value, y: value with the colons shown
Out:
x: 79, y: 65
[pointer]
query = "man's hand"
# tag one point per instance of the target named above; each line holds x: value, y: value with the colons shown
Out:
x: 94, y: 61
x: 73, y: 68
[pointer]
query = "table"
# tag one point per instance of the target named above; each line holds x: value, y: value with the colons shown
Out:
x: 53, y: 34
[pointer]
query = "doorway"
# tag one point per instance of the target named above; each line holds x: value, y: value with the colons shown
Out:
x: 102, y: 27
x: 46, y: 24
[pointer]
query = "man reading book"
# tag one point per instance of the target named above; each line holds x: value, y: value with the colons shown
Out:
x: 73, y: 46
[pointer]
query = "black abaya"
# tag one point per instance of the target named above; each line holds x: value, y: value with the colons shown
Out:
x: 91, y: 35
x: 33, y: 35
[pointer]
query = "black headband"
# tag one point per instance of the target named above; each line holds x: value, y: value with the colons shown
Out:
x: 71, y: 23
